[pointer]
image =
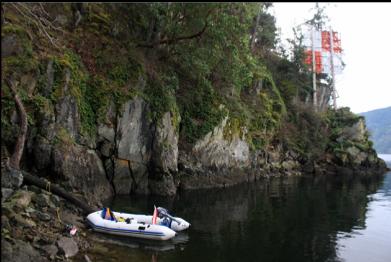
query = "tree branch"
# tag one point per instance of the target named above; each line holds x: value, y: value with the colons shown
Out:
x: 46, y: 185
x: 19, y: 145
x: 175, y: 40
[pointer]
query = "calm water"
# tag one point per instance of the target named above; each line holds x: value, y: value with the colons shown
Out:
x: 295, y: 219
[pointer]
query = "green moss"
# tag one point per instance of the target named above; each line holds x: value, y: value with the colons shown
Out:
x: 63, y: 137
x: 98, y: 19
x: 159, y: 93
x: 78, y: 88
x: 22, y: 62
x: 233, y: 128
x: 13, y: 29
x: 199, y: 109
x: 7, y: 107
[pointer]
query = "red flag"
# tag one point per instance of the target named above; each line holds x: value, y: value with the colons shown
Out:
x: 154, y: 217
x: 318, y: 60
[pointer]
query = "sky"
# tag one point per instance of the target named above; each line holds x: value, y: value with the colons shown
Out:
x: 365, y: 33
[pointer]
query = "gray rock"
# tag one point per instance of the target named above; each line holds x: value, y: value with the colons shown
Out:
x: 10, y: 46
x: 11, y: 179
x: 6, y: 250
x: 43, y: 216
x: 353, y: 151
x: 214, y: 151
x: 30, y: 82
x: 7, y: 209
x: 109, y: 167
x: 42, y: 200
x: 20, y: 221
x: 55, y: 199
x: 6, y: 193
x: 289, y: 165
x: 22, y: 198
x: 134, y: 133
x: 67, y: 111
x: 51, y: 250
x: 356, y: 132
x: 134, y: 143
x: 83, y: 170
x: 140, y: 178
x: 24, y: 252
x: 50, y: 79
x: 165, y: 145
x: 107, y: 149
x: 106, y: 132
x: 122, y: 177
x: 67, y: 115
x: 46, y: 120
x: 164, y: 186
x: 5, y: 223
x: 68, y: 246
x: 42, y: 152
x: 30, y: 210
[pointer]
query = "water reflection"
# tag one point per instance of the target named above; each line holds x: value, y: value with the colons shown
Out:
x: 372, y: 242
x: 295, y: 219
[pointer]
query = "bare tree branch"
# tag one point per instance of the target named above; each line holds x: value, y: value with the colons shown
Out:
x: 175, y: 40
x: 19, y: 145
x: 41, y: 23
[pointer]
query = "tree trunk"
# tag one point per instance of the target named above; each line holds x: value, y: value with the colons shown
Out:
x: 19, y: 145
x: 254, y: 32
x: 36, y: 181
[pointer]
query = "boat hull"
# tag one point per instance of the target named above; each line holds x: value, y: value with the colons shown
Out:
x: 133, y: 229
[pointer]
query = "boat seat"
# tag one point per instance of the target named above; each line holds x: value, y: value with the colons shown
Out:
x: 130, y: 220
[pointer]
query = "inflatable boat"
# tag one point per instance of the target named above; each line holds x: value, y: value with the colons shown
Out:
x: 133, y: 225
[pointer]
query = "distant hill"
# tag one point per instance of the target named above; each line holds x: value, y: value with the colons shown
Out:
x: 379, y: 124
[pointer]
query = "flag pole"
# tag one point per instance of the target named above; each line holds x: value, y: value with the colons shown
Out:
x: 332, y: 68
x: 313, y: 68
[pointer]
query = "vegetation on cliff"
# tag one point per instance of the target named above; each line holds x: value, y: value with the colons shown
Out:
x: 73, y: 63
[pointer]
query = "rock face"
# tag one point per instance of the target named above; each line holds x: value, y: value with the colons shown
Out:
x: 355, y: 154
x: 356, y: 132
x: 165, y: 145
x: 68, y: 246
x: 10, y: 45
x: 215, y: 151
x: 42, y: 152
x: 216, y: 161
x: 67, y: 113
x: 164, y: 162
x: 122, y: 177
x: 22, y: 198
x: 134, y: 139
x: 134, y: 132
x: 11, y: 179
x: 83, y: 170
x: 19, y: 252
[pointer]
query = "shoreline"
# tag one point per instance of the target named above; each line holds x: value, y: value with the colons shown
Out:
x: 34, y: 222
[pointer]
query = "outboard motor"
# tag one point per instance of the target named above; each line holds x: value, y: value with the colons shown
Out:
x: 163, y: 213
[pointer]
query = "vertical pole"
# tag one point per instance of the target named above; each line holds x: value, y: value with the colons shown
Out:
x: 332, y: 68
x: 313, y: 68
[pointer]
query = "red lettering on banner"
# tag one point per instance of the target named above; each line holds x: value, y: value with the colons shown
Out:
x: 318, y: 60
x: 326, y: 42
x: 308, y: 57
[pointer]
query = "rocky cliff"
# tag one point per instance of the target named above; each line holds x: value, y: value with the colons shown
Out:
x: 109, y: 116
x: 153, y: 99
